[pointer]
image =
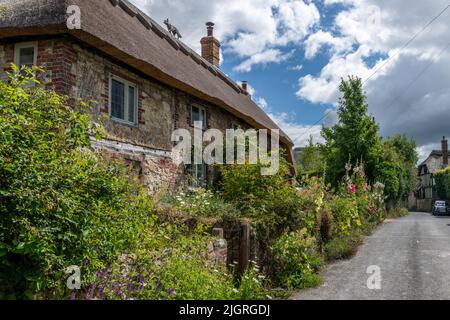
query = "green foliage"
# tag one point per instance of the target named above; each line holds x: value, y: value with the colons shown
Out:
x: 398, y: 169
x: 443, y: 183
x: 343, y: 246
x: 355, y: 138
x: 398, y: 212
x: 251, y: 286
x: 346, y: 215
x: 244, y: 185
x: 190, y: 276
x: 202, y: 203
x: 62, y: 205
x: 295, y: 262
x: 311, y: 161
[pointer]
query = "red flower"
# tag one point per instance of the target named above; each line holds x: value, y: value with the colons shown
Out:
x: 352, y: 188
x: 373, y: 210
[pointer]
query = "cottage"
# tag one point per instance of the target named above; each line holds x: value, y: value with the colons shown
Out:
x: 426, y: 192
x: 145, y: 80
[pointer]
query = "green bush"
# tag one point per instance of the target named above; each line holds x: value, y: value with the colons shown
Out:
x: 251, y: 191
x: 295, y: 261
x: 63, y: 205
x: 443, y: 183
x: 345, y: 213
x: 343, y: 246
x: 202, y: 203
x: 251, y: 286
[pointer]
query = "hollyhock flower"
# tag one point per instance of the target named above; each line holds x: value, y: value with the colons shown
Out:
x: 373, y: 210
x: 352, y: 188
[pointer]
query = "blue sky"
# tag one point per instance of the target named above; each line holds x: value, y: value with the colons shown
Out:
x: 294, y: 52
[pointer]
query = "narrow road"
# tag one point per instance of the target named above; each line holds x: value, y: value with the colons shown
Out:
x: 413, y: 257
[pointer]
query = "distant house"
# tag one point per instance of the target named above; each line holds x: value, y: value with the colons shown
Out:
x: 426, y: 192
x: 146, y: 81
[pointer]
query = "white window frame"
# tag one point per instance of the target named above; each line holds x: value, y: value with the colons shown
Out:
x: 25, y: 45
x: 127, y: 84
x: 203, y: 116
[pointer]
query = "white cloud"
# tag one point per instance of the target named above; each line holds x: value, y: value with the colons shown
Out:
x: 263, y: 58
x: 246, y: 28
x: 298, y: 67
x: 300, y: 134
x: 376, y: 28
x: 262, y: 103
x: 317, y: 40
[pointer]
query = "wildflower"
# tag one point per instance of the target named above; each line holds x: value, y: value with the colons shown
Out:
x: 90, y: 293
x: 171, y: 291
x: 373, y: 210
x: 72, y: 296
x: 86, y: 262
x: 235, y: 290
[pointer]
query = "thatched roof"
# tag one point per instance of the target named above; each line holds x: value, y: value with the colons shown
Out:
x: 125, y: 33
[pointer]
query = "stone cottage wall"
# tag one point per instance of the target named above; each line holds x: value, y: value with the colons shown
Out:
x: 84, y: 73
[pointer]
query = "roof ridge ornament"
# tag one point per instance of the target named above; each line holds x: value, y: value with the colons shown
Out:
x: 172, y: 29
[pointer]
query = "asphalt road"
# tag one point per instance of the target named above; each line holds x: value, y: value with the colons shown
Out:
x: 412, y: 255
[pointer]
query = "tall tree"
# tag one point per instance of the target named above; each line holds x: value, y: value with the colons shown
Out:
x: 310, y: 162
x: 355, y: 138
x: 398, y: 169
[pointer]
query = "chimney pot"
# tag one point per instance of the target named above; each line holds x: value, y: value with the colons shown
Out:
x: 211, y: 46
x: 210, y: 29
x: 245, y: 86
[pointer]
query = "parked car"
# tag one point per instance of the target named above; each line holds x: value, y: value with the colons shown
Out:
x: 440, y: 208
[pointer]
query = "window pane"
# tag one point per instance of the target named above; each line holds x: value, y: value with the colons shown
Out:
x: 131, y: 104
x: 117, y: 99
x: 27, y: 57
x: 201, y: 175
x: 195, y: 114
x: 203, y: 119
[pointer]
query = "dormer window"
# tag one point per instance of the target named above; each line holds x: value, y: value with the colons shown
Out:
x: 25, y: 54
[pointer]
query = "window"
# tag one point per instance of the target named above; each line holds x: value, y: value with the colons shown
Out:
x: 123, y: 100
x: 198, y: 114
x: 25, y: 54
x: 197, y: 175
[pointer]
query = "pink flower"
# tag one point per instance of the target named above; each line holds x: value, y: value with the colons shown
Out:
x: 373, y: 210
x: 352, y: 188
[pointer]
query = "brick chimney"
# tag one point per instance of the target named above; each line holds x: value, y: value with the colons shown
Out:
x: 211, y: 46
x: 445, y: 152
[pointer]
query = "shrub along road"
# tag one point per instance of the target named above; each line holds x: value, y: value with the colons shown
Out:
x: 413, y: 255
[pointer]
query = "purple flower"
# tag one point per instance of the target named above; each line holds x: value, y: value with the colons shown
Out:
x: 86, y: 262
x: 101, y: 294
x: 72, y: 296
x: 90, y: 293
x: 171, y: 291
